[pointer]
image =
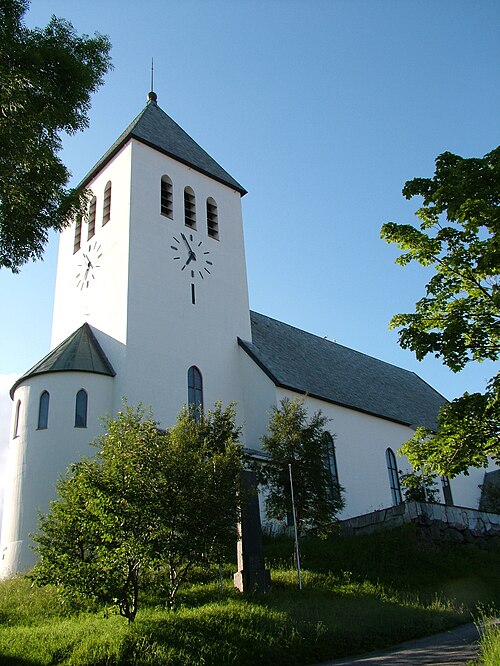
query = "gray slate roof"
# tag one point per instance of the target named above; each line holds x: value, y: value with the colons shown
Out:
x: 156, y: 129
x: 308, y: 364
x: 80, y: 352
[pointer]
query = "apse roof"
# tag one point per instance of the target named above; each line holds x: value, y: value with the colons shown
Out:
x: 80, y: 352
x: 156, y: 129
x: 315, y: 366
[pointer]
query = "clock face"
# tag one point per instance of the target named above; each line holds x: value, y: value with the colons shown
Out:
x: 88, y: 266
x: 191, y: 256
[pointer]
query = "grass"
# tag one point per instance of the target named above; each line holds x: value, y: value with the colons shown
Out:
x: 490, y: 646
x: 488, y: 624
x: 359, y: 594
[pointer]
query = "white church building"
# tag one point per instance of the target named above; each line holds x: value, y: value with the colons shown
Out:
x: 151, y: 303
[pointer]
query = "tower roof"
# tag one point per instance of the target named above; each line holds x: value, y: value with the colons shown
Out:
x: 80, y: 352
x: 319, y: 368
x: 154, y: 128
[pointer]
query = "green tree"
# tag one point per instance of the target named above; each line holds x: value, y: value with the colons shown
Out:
x: 46, y: 79
x: 302, y: 441
x: 419, y: 486
x: 149, y: 501
x: 458, y: 319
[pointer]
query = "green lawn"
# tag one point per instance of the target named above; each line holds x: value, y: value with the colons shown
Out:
x: 359, y: 594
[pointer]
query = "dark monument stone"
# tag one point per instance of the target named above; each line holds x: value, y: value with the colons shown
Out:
x: 251, y: 575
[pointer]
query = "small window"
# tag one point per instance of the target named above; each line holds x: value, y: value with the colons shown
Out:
x: 448, y: 497
x: 212, y: 219
x: 392, y: 469
x: 78, y: 234
x: 195, y: 391
x: 106, y: 206
x: 43, y: 411
x: 92, y: 214
x: 166, y: 197
x: 16, y: 419
x: 81, y: 409
x: 189, y: 208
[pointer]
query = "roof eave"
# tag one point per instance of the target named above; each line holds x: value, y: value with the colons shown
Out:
x: 52, y: 372
x: 101, y: 164
x: 300, y: 391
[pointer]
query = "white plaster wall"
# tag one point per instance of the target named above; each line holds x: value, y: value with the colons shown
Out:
x: 259, y: 395
x: 104, y: 303
x: 465, y: 490
x: 166, y: 333
x: 361, y: 442
x: 37, y: 458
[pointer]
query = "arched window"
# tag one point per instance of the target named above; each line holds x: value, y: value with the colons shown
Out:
x: 448, y: 497
x: 331, y: 464
x: 78, y: 234
x: 92, y: 214
x: 189, y: 208
x: 43, y: 411
x: 106, y: 205
x: 195, y: 391
x: 81, y: 409
x: 16, y: 419
x: 166, y: 197
x: 392, y: 469
x: 212, y: 218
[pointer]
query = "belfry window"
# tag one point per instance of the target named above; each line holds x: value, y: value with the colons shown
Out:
x: 81, y: 404
x: 392, y: 469
x: 16, y: 419
x: 43, y: 411
x: 212, y: 219
x: 106, y: 206
x: 92, y: 214
x: 189, y: 208
x: 166, y: 197
x: 78, y: 234
x: 195, y: 391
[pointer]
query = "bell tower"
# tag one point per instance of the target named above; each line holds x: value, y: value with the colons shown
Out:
x: 158, y: 268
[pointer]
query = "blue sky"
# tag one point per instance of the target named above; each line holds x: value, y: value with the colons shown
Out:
x: 321, y: 110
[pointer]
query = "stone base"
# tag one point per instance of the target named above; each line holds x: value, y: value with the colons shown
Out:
x: 253, y: 581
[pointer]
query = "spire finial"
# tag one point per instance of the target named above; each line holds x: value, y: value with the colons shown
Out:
x: 152, y: 96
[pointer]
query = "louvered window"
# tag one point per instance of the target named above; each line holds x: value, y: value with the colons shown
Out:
x: 189, y: 208
x: 106, y: 206
x: 166, y: 197
x: 78, y: 234
x: 212, y: 219
x: 92, y: 214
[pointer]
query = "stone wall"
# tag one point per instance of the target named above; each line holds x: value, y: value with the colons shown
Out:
x: 435, y: 522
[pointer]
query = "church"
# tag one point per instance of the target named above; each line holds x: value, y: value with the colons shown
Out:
x: 151, y: 304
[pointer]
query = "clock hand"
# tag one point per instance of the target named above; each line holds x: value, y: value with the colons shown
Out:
x: 185, y: 240
x: 192, y: 257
